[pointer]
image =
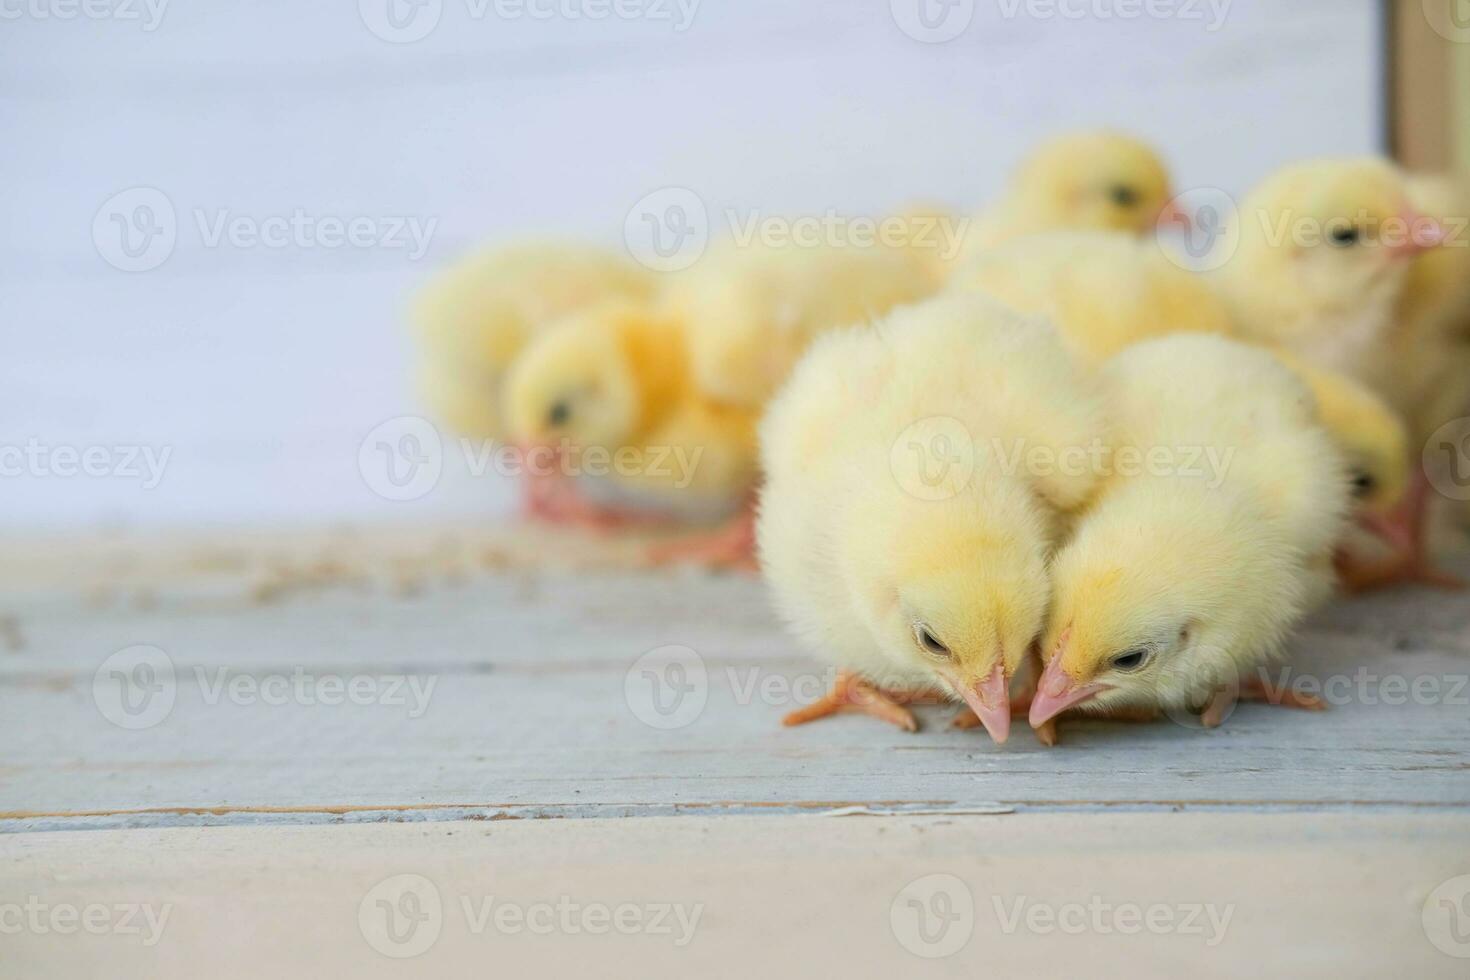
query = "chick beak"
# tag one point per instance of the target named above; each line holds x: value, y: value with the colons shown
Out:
x: 990, y: 699
x: 1387, y: 527
x: 1173, y: 213
x: 1423, y: 234
x: 1057, y: 691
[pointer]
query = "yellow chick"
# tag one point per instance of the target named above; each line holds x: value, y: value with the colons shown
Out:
x: 1181, y: 578
x: 1103, y: 290
x: 1099, y: 181
x: 475, y: 317
x: 1371, y: 437
x: 908, y: 513
x: 602, y: 403
x: 753, y: 309
x: 1325, y: 252
x: 1339, y: 264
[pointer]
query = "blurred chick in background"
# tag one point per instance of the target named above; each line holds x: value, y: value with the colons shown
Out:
x: 1103, y: 291
x: 1328, y: 267
x: 1435, y: 321
x: 1175, y: 583
x: 612, y: 384
x: 753, y: 309
x: 898, y: 544
x: 1101, y: 181
x: 474, y: 318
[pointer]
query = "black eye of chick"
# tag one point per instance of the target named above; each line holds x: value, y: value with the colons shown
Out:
x: 559, y: 414
x: 1345, y: 237
x: 1363, y: 485
x: 1123, y: 196
x: 1132, y: 660
x: 930, y: 642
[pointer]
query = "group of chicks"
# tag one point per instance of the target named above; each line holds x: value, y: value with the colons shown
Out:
x: 805, y: 381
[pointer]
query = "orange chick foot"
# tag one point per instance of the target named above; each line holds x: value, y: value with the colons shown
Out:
x: 852, y: 694
x: 1408, y: 568
x: 732, y: 546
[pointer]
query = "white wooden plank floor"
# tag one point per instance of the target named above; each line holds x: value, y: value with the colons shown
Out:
x: 505, y: 673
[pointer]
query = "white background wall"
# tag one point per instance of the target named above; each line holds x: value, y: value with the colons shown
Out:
x: 261, y: 369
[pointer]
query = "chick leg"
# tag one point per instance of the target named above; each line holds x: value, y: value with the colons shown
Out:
x: 731, y: 546
x: 1223, y: 701
x: 852, y: 694
x: 1406, y: 531
x: 1256, y: 689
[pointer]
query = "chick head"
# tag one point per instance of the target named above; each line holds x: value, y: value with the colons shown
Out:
x: 951, y: 593
x: 1104, y: 180
x: 1341, y: 230
x: 1375, y: 446
x: 577, y: 383
x: 1157, y: 600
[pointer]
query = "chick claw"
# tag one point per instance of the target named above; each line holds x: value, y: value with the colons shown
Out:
x: 852, y: 694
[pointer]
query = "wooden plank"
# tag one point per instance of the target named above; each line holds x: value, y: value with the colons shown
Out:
x: 532, y: 698
x: 1278, y: 895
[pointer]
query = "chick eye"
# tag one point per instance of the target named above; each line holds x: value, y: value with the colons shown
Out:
x: 1364, y: 485
x: 559, y: 414
x: 1346, y: 237
x: 1132, y: 660
x: 1123, y: 196
x: 929, y: 643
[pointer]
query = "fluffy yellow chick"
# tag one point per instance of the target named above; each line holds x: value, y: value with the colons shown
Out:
x: 1325, y: 252
x: 903, y: 526
x: 605, y: 397
x: 475, y: 317
x: 1182, y: 578
x: 1103, y: 290
x: 752, y: 309
x: 1101, y: 181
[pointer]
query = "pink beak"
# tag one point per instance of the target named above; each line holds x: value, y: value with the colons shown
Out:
x: 1056, y: 692
x: 1173, y: 214
x: 1423, y: 234
x: 991, y: 700
x: 1389, y: 528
